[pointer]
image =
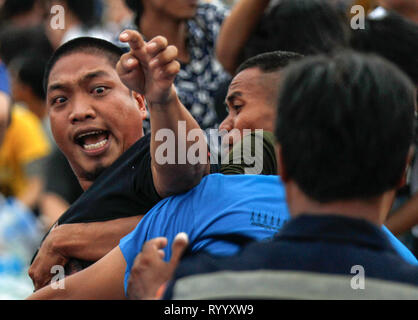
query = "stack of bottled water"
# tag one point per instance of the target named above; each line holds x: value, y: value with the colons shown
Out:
x: 20, y: 235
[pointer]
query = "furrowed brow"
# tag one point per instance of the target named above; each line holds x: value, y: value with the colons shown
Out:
x: 95, y: 74
x: 89, y: 76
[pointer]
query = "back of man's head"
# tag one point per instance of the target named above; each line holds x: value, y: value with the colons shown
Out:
x: 345, y: 125
x: 270, y: 61
x: 84, y: 45
x: 306, y: 27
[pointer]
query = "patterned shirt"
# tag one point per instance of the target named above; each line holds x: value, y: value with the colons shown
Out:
x: 198, y: 81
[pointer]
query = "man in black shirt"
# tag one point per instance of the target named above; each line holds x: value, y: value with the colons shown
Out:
x: 96, y: 102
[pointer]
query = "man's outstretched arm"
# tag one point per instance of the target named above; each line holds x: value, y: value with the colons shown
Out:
x: 101, y: 281
x: 150, y: 69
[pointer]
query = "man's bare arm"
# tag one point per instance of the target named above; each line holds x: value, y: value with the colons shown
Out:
x: 405, y: 217
x: 101, y: 281
x: 236, y: 30
x: 85, y: 241
x: 150, y: 69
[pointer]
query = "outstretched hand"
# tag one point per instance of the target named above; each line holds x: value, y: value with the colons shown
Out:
x: 149, y: 68
x: 149, y: 271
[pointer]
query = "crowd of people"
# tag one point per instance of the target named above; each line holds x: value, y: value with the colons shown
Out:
x: 173, y: 149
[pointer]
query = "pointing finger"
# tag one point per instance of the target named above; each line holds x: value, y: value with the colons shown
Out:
x: 134, y: 39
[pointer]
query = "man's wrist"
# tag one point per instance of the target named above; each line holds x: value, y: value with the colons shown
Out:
x: 163, y: 104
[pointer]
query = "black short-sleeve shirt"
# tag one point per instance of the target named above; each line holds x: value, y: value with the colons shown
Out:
x: 124, y: 189
x: 60, y: 178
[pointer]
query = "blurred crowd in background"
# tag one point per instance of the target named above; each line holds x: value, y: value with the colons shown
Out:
x: 36, y: 182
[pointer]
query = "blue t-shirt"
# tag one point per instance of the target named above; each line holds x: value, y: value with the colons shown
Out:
x: 4, y: 81
x: 250, y: 205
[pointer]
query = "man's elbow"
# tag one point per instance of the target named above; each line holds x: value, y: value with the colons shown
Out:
x: 181, y: 181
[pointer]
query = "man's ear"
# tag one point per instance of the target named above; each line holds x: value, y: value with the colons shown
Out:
x: 142, y: 106
x: 281, y: 167
x: 409, y: 158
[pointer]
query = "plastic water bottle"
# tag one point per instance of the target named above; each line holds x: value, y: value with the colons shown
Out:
x: 11, y: 264
x: 20, y: 231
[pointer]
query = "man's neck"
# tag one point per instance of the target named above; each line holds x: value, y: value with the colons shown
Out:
x: 374, y: 210
x: 85, y: 184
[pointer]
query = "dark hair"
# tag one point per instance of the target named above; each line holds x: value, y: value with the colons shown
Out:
x: 302, y: 26
x: 30, y: 71
x: 345, y: 124
x: 137, y: 7
x: 392, y: 37
x: 270, y: 61
x: 86, y: 11
x: 27, y: 41
x: 87, y: 45
x: 11, y: 8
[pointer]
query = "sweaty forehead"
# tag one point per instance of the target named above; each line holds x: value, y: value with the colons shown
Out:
x: 73, y: 66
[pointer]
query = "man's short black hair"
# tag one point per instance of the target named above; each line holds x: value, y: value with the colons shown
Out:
x: 394, y: 38
x: 345, y: 125
x: 86, y: 45
x: 270, y: 61
x: 303, y: 26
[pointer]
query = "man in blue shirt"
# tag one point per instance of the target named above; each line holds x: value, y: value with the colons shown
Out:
x: 212, y: 213
x: 249, y: 207
x: 221, y: 206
